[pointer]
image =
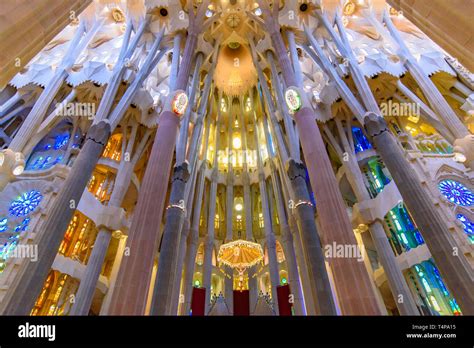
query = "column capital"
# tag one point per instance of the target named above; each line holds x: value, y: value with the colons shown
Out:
x: 181, y: 172
x: 295, y: 169
x: 374, y: 124
x: 99, y: 133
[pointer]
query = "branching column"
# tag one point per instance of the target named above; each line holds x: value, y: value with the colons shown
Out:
x: 135, y: 273
x: 454, y: 267
x: 26, y: 289
x: 352, y: 280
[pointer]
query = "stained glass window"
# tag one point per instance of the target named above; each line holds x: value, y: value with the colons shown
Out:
x: 468, y: 226
x: 361, y: 142
x: 456, y: 192
x: 3, y: 224
x: 25, y: 203
x: 53, y: 147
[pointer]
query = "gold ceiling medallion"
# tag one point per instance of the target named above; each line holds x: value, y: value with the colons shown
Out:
x: 349, y: 8
x: 233, y: 20
x: 118, y: 15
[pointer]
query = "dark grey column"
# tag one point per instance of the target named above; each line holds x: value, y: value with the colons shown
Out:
x: 452, y: 264
x: 314, y: 257
x: 26, y: 289
x: 162, y: 293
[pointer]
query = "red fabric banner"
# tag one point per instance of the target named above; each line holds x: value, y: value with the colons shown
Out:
x: 198, y: 301
x: 241, y: 303
x: 284, y: 305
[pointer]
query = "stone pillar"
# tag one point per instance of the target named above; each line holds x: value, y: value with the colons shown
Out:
x: 85, y: 293
x: 162, y: 293
x: 253, y: 291
x: 104, y: 310
x: 176, y: 297
x: 271, y: 242
x: 144, y: 232
x: 131, y: 287
x: 314, y: 258
x: 190, y: 260
x: 194, y: 234
x: 449, y: 258
x: 352, y: 280
x: 25, y: 290
x: 267, y: 221
x: 229, y: 281
x: 402, y: 295
x: 287, y: 239
x: 209, y: 243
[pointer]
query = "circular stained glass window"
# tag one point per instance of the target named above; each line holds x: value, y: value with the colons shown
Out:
x: 456, y: 192
x: 25, y: 203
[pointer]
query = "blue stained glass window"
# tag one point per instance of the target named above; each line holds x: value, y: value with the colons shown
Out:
x: 361, y: 142
x: 3, y: 224
x: 23, y: 226
x: 456, y: 192
x: 53, y: 147
x: 60, y: 141
x: 25, y: 203
x: 468, y: 226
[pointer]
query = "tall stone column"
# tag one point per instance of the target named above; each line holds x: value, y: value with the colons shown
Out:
x: 270, y: 241
x: 193, y: 239
x: 352, y: 280
x: 144, y: 233
x: 449, y: 258
x: 229, y: 279
x: 267, y: 222
x: 252, y: 278
x: 168, y: 278
x: 131, y: 288
x: 314, y: 258
x: 85, y: 293
x: 175, y: 211
x: 402, y: 295
x: 25, y: 290
x: 176, y: 296
x: 209, y: 242
x: 287, y: 239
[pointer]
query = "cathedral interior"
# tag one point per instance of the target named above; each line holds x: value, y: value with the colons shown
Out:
x: 235, y: 157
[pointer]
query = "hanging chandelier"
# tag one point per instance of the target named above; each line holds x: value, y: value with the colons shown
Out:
x: 240, y: 254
